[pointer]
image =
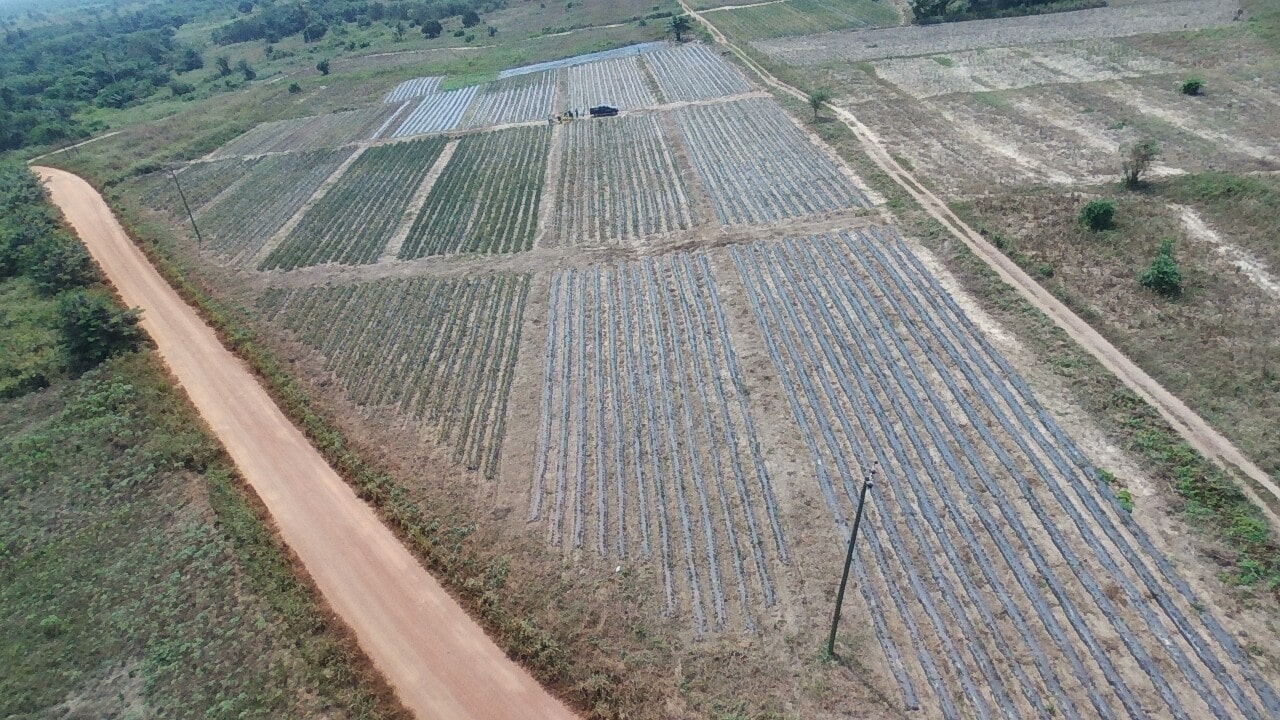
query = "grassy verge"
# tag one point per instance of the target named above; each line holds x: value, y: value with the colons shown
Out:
x: 137, y: 577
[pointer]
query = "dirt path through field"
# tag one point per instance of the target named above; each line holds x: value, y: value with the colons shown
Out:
x: 437, y: 659
x: 1193, y: 428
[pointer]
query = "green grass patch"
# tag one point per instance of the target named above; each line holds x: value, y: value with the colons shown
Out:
x: 136, y: 578
x: 804, y: 17
x: 30, y: 354
x: 454, y: 82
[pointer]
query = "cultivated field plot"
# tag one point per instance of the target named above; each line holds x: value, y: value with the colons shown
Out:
x: 618, y: 182
x: 1002, y: 579
x: 620, y: 83
x: 646, y: 447
x: 441, y: 352
x: 577, y: 60
x: 1106, y: 22
x: 694, y: 72
x: 201, y: 182
x: 486, y: 200
x: 437, y: 112
x: 758, y: 167
x: 803, y: 17
x: 356, y: 217
x: 521, y: 98
x: 414, y: 88
x: 309, y: 133
x: 240, y: 221
x: 1008, y: 68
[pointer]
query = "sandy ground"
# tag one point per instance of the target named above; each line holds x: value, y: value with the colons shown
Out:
x: 440, y: 663
x: 1118, y: 21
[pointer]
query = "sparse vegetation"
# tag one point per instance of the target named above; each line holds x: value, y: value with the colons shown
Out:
x: 1138, y: 159
x: 817, y: 99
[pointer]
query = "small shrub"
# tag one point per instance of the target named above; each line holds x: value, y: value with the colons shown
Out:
x: 1097, y: 215
x: 1192, y: 86
x: 1125, y: 498
x: 323, y: 66
x: 294, y: 88
x: 1163, y: 274
x: 1138, y: 158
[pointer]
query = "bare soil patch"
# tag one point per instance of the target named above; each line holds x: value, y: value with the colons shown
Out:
x: 1119, y: 21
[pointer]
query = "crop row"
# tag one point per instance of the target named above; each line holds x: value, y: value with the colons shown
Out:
x: 618, y: 181
x: 646, y: 445
x: 201, y: 182
x: 437, y: 112
x: 619, y: 82
x: 995, y: 554
x: 308, y: 133
x: 442, y: 352
x: 522, y: 98
x: 583, y: 59
x: 413, y: 88
x: 486, y: 200
x: 354, y: 220
x: 694, y: 72
x: 758, y: 167
x: 240, y: 221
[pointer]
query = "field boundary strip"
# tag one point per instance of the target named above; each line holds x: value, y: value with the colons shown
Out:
x: 1189, y: 425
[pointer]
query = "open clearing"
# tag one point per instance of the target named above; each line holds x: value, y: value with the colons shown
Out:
x: 671, y: 344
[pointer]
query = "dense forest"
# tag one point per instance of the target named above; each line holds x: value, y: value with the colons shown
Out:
x: 56, y: 64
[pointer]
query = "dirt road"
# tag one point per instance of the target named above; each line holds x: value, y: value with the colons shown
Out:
x: 440, y: 663
x: 1193, y: 428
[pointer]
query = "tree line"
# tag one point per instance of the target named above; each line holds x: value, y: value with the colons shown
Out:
x: 36, y: 248
x: 934, y: 11
x: 273, y: 21
x: 51, y: 71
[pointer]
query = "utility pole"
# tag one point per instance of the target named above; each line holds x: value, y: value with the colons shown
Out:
x: 848, y: 561
x: 174, y: 175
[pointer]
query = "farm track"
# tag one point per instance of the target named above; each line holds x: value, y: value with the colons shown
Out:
x: 437, y: 660
x: 543, y: 258
x: 1194, y: 429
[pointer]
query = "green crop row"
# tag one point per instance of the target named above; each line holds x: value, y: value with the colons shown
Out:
x: 440, y: 351
x: 486, y: 200
x: 352, y: 223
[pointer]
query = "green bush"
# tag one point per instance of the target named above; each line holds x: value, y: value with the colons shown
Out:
x: 95, y: 328
x: 1097, y: 215
x: 1163, y: 274
x: 1192, y: 86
